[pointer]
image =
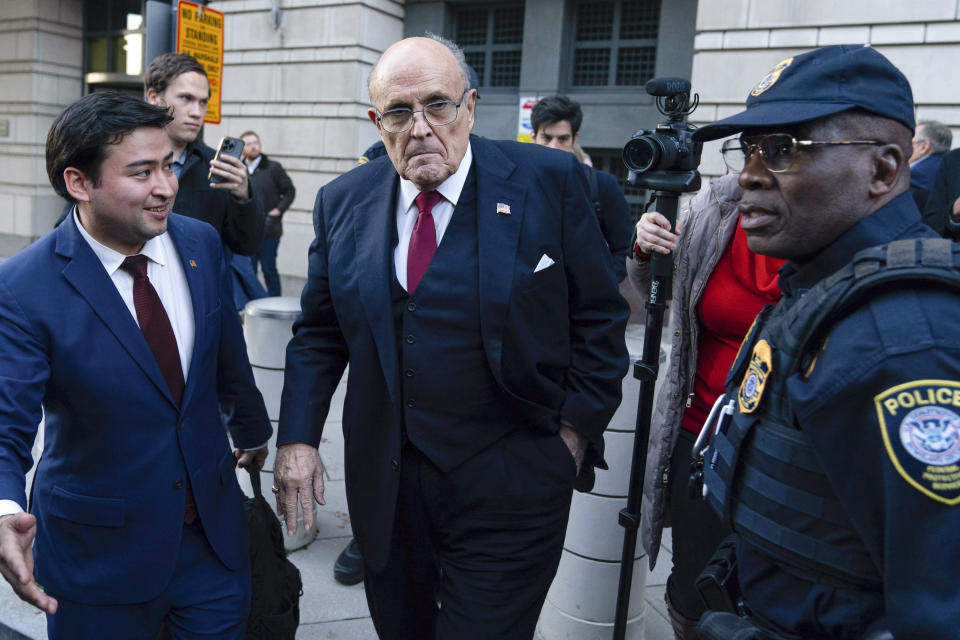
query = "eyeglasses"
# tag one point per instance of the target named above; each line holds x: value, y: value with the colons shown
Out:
x: 438, y: 114
x: 778, y: 151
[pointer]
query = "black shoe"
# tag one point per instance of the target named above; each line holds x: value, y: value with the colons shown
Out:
x: 348, y: 569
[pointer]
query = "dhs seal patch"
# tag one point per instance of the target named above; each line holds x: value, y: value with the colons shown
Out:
x: 755, y: 379
x: 920, y: 425
x: 768, y: 80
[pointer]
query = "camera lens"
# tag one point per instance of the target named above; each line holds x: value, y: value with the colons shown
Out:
x: 651, y: 152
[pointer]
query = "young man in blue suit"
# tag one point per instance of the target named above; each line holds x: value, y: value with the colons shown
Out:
x: 120, y: 326
x: 474, y: 298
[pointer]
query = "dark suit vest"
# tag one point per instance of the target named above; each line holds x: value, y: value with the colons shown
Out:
x: 452, y: 405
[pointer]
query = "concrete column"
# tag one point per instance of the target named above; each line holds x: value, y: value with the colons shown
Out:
x: 267, y: 329
x: 582, y: 600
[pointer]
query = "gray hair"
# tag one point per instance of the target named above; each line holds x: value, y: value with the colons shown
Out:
x: 936, y: 133
x: 450, y: 45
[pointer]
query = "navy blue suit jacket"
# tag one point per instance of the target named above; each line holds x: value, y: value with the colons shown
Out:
x: 108, y: 491
x: 554, y: 338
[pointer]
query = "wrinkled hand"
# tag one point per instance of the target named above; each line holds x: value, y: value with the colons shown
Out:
x: 251, y: 456
x: 16, y: 560
x: 234, y: 174
x: 576, y: 443
x: 298, y: 474
x: 653, y: 233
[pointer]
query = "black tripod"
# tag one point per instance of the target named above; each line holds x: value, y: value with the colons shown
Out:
x: 646, y: 370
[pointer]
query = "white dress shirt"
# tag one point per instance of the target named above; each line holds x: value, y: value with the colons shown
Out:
x: 166, y: 274
x: 442, y: 212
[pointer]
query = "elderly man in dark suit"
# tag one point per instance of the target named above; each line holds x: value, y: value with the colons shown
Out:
x: 120, y: 326
x: 474, y: 299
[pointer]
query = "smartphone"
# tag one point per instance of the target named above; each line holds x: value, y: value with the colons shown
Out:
x: 228, y: 147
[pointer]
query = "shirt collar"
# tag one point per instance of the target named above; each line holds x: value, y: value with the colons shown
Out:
x: 897, y: 219
x: 450, y: 188
x: 152, y: 248
x: 253, y: 164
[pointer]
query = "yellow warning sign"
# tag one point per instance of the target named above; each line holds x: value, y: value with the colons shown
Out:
x: 200, y: 34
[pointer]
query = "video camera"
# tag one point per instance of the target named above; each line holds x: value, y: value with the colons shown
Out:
x: 666, y: 158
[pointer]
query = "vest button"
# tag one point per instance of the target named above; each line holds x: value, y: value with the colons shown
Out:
x: 409, y: 373
x: 178, y: 484
x: 410, y: 339
x: 411, y: 403
x: 411, y: 306
x: 395, y: 464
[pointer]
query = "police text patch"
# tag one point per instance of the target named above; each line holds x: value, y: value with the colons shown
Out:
x: 920, y: 425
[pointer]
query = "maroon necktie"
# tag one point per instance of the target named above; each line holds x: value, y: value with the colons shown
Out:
x: 423, y: 240
x: 155, y: 326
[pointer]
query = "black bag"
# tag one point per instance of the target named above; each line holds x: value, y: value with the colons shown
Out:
x: 277, y: 587
x: 717, y: 584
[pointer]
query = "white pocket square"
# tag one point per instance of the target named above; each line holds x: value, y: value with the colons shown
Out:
x: 545, y: 261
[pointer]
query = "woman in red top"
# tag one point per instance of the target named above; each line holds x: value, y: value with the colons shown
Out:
x: 719, y: 286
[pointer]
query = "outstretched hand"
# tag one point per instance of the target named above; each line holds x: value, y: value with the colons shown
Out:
x: 297, y: 475
x: 16, y: 560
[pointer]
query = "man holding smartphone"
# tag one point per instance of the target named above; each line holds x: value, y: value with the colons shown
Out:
x: 179, y: 82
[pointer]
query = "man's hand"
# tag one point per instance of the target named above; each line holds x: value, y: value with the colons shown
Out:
x: 576, y: 443
x: 251, y: 456
x: 16, y: 560
x: 955, y: 213
x: 234, y: 175
x: 297, y: 472
x: 273, y: 213
x: 653, y: 233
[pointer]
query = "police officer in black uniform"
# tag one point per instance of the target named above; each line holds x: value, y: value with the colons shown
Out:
x: 838, y: 467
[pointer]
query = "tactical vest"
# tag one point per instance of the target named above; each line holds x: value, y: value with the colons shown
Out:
x: 761, y: 472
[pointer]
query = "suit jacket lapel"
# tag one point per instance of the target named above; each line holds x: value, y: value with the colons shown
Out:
x: 498, y: 235
x: 86, y: 274
x: 373, y: 218
x: 187, y: 250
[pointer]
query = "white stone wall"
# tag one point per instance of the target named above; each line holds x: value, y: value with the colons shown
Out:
x: 303, y: 88
x: 739, y: 41
x: 40, y: 72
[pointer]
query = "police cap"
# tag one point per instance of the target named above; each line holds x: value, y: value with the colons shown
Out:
x: 818, y: 84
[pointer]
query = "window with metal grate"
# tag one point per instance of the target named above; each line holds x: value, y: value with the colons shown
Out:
x: 615, y: 43
x: 492, y: 40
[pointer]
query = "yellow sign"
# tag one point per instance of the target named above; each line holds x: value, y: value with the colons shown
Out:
x: 200, y: 34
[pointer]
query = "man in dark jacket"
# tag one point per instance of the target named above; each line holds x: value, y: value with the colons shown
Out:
x: 556, y: 124
x: 178, y: 81
x: 275, y: 189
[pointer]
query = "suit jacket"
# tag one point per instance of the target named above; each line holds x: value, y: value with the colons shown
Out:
x: 108, y: 491
x: 553, y: 338
x: 239, y: 223
x: 945, y: 190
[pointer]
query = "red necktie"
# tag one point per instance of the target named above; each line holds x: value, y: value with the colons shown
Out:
x: 155, y: 326
x: 423, y: 241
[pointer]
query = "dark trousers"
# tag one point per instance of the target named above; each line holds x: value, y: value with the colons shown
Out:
x: 267, y: 257
x: 203, y: 599
x: 697, y: 531
x: 475, y: 550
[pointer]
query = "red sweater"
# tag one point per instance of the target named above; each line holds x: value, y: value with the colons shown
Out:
x: 741, y: 283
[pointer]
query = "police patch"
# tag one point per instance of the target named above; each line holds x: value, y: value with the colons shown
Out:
x: 920, y: 425
x: 768, y: 80
x: 755, y: 379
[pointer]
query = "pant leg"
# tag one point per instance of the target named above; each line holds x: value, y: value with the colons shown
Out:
x: 402, y: 596
x: 268, y: 263
x: 697, y: 531
x: 500, y: 521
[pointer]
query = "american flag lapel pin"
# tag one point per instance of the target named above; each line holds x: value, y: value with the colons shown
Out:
x: 503, y: 208
x: 193, y: 264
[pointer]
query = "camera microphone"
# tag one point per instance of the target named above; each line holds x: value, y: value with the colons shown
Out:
x: 665, y: 87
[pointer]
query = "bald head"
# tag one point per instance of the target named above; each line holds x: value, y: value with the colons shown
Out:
x: 434, y: 50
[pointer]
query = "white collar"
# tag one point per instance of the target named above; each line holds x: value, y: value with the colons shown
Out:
x: 450, y: 188
x: 152, y: 248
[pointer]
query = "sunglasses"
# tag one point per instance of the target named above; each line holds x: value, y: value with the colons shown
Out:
x: 777, y: 151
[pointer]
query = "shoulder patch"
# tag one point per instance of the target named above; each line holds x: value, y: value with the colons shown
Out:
x: 755, y: 379
x: 920, y: 426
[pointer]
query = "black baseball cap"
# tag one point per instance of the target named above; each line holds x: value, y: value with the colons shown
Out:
x: 818, y: 84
